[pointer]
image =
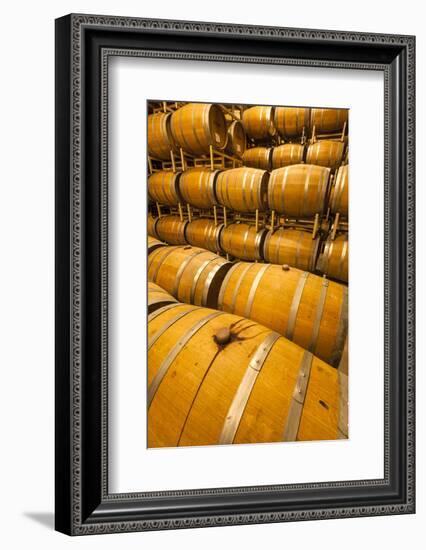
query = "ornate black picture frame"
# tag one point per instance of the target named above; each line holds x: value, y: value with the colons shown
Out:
x: 84, y: 44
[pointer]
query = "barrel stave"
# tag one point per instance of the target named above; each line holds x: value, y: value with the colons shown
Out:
x: 339, y: 200
x: 333, y: 261
x: 158, y: 297
x: 204, y: 233
x: 287, y: 154
x: 258, y: 122
x: 163, y: 187
x: 241, y: 240
x: 254, y: 290
x: 204, y: 399
x: 298, y: 191
x: 242, y: 189
x: 154, y: 243
x: 290, y: 121
x: 326, y: 153
x: 190, y: 274
x: 328, y: 120
x: 196, y: 186
x: 321, y: 407
x: 258, y: 157
x: 171, y: 229
x: 293, y: 247
x: 160, y: 143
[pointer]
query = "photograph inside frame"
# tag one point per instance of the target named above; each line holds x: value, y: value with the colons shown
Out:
x: 247, y: 268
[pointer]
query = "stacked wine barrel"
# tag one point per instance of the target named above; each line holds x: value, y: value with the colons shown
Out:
x: 248, y: 273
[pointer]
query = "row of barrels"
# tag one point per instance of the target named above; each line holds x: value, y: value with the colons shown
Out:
x: 261, y: 123
x: 283, y: 246
x: 328, y: 153
x: 250, y: 384
x: 298, y: 191
x: 195, y: 127
x: 312, y: 312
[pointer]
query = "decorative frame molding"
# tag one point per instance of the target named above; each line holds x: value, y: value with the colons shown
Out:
x: 84, y: 43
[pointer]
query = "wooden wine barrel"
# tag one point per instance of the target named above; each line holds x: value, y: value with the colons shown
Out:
x: 196, y: 187
x: 258, y: 157
x: 334, y: 260
x: 242, y: 189
x: 328, y: 120
x: 242, y: 241
x: 310, y: 310
x: 151, y: 223
x: 158, y: 297
x: 287, y: 154
x: 163, y: 187
x: 290, y: 121
x: 171, y: 229
x: 196, y: 126
x: 204, y: 233
x: 236, y: 143
x: 326, y: 153
x: 160, y: 142
x: 153, y: 244
x: 298, y: 191
x: 216, y: 378
x: 190, y: 274
x: 339, y: 199
x: 291, y: 247
x: 259, y: 122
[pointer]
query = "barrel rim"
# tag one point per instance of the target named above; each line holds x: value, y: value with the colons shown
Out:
x: 229, y: 147
x: 212, y: 108
x: 154, y: 228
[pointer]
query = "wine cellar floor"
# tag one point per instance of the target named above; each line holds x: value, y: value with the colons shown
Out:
x: 248, y: 252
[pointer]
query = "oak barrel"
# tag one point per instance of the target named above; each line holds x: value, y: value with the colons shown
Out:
x: 326, y: 152
x: 287, y: 154
x: 236, y: 143
x: 204, y: 233
x: 298, y: 191
x: 196, y: 187
x: 158, y: 297
x: 151, y: 222
x: 216, y: 378
x: 171, y: 229
x: 242, y: 241
x: 242, y: 189
x: 292, y: 247
x: 163, y: 187
x: 290, y: 121
x: 328, y: 120
x: 258, y: 122
x: 258, y: 157
x: 334, y: 259
x: 196, y: 126
x: 310, y: 310
x: 339, y: 197
x: 190, y: 274
x: 154, y: 243
x: 160, y: 142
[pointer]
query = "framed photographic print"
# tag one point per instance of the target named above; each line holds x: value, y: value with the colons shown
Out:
x: 234, y: 274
